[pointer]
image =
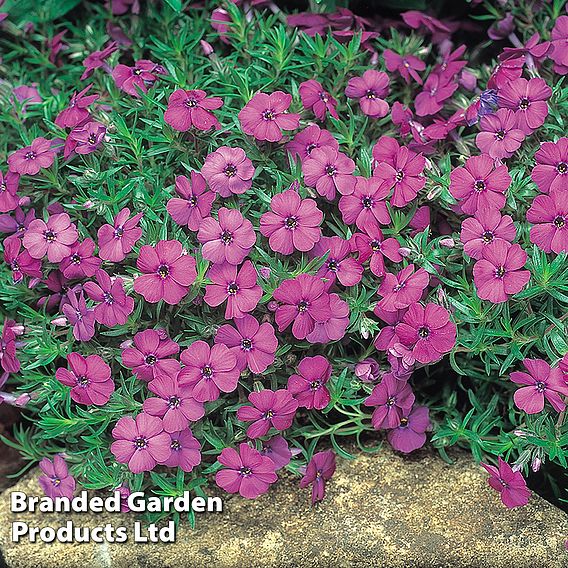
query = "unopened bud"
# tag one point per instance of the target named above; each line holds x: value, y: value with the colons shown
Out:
x: 404, y: 251
x: 60, y: 321
x: 24, y: 201
x: 265, y: 271
x: 447, y: 242
x: 207, y: 48
x: 272, y: 305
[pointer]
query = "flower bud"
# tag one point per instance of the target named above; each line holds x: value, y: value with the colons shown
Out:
x: 207, y: 48
x: 60, y: 321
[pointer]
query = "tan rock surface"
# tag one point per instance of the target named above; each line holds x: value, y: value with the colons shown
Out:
x: 381, y: 510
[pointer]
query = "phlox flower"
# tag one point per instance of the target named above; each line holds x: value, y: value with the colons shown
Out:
x: 89, y: 378
x: 332, y: 329
x: 150, y: 356
x: 500, y: 135
x: 97, y: 59
x: 76, y: 112
x: 31, y: 159
x: 266, y: 116
x: 370, y: 90
x: 308, y: 385
x: 194, y: 201
x: 226, y: 239
x: 238, y: 288
x: 437, y: 89
x: 320, y: 469
x: 338, y: 264
x: 140, y: 442
x: 20, y: 261
x: 269, y: 408
x: 400, y: 290
x: 132, y: 79
x: 276, y: 448
x: 253, y: 344
x: 8, y: 359
x: 56, y: 480
x: 228, y: 171
x: 367, y: 204
x: 17, y: 225
x: 79, y: 316
x: 81, y: 261
x: 246, y: 472
x: 498, y: 274
x: 367, y: 370
x: 479, y: 185
x: 316, y: 98
x: 392, y: 399
x: 167, y: 273
x: 84, y: 139
x: 506, y: 71
x: 406, y: 65
x: 372, y: 245
x: 193, y: 108
x: 549, y: 215
x: 510, y: 484
x: 117, y: 240
x: 292, y: 223
x: 309, y: 139
x: 9, y: 183
x: 551, y: 165
x: 329, y: 170
x: 113, y: 304
x: 559, y: 52
x: 410, y: 434
x: 303, y: 301
x: 186, y: 450
x: 209, y: 370
x: 427, y: 331
x: 387, y: 337
x: 485, y: 228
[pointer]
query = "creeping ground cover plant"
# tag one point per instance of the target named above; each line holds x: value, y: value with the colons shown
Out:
x: 238, y: 244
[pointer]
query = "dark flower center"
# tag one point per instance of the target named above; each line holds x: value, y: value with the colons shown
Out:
x: 375, y: 246
x: 268, y: 114
x: 487, y: 237
x: 207, y: 372
x: 479, y: 186
x: 559, y: 221
x: 398, y: 287
x: 137, y: 71
x: 163, y: 271
x: 150, y: 359
x: 500, y: 135
x: 232, y: 288
x: 245, y: 471
x: 370, y: 94
x: 83, y: 381
x: 141, y: 443
x: 55, y: 481
x: 390, y: 401
x: 324, y: 97
x: 311, y: 147
x: 230, y: 170
x: 175, y: 445
x: 524, y: 103
x: 118, y: 232
x: 49, y: 236
x: 403, y: 422
x: 540, y: 386
x: 500, y: 272
x: 367, y: 202
x: 333, y: 265
x: 192, y: 201
x: 3, y: 187
x: 92, y: 139
x: 268, y: 414
x: 226, y: 237
x: 30, y: 156
x: 190, y: 103
x: 75, y: 259
x: 291, y: 222
x: 423, y: 332
x: 399, y: 175
x: 315, y: 385
x: 562, y: 168
x: 330, y: 170
x: 246, y: 344
x: 108, y: 298
x: 15, y: 266
x: 303, y: 306
x: 174, y: 402
x: 78, y: 315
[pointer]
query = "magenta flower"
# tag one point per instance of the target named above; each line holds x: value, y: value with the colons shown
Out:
x: 117, y: 240
x: 304, y: 301
x: 559, y: 53
x: 18, y: 224
x: 114, y: 305
x: 485, y: 228
x: 192, y: 108
x: 292, y: 223
x: 269, y: 409
x: 498, y: 274
x: 333, y: 328
x: 329, y: 170
x: 372, y: 245
x: 506, y: 71
x: 479, y: 185
x: 20, y: 262
x: 131, y: 80
x: 410, y: 434
x: 53, y: 238
x: 31, y: 159
x: 167, y: 273
x: 84, y: 139
x: 551, y: 165
x: 174, y: 403
x: 89, y: 378
x: 320, y: 470
x: 368, y: 370
x: 367, y: 204
x: 308, y: 385
x: 528, y: 99
x: 228, y: 171
x: 549, y: 215
x: 253, y: 344
x: 309, y: 139
x: 338, y: 264
x: 510, y: 484
x: 246, y: 472
x: 403, y: 289
x: 56, y: 480
x: 194, y: 201
x: 370, y: 90
x: 80, y: 317
x: 541, y: 382
x: 9, y: 183
x: 316, y: 98
x: 387, y: 337
x: 8, y: 359
x: 401, y: 169
x: 266, y: 116
x: 209, y: 370
x: 76, y: 112
x: 150, y: 357
x: 406, y: 65
x: 278, y: 451
x: 500, y: 136
x: 97, y: 59
x: 141, y: 442
x: 437, y: 89
x: 81, y: 262
x: 27, y: 95
x: 239, y: 289
x: 427, y: 331
x: 228, y: 239
x: 186, y: 451
x: 392, y: 400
